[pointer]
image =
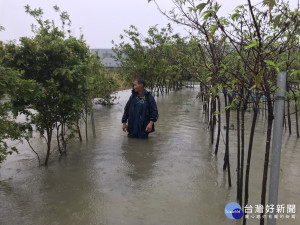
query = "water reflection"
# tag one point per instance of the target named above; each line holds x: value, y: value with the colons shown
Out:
x: 139, y: 154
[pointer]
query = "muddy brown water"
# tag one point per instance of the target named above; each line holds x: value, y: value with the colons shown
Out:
x: 171, y: 178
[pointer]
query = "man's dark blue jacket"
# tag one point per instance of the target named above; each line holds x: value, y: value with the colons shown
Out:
x: 150, y: 111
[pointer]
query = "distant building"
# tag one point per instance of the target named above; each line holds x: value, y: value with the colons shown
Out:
x: 106, y: 57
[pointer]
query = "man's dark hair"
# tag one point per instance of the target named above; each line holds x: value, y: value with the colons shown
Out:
x: 141, y: 81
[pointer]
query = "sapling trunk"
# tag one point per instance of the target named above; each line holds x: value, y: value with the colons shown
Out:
x: 226, y: 157
x: 238, y: 150
x: 267, y: 153
x: 296, y: 112
x: 49, y: 138
x: 78, y: 130
x: 57, y: 138
x: 219, y: 125
x: 244, y: 108
x: 249, y: 158
x: 212, y: 118
x: 86, y: 126
x: 289, y: 117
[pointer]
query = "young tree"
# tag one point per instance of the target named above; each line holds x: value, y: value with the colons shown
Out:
x: 259, y: 38
x: 62, y: 68
x: 147, y: 57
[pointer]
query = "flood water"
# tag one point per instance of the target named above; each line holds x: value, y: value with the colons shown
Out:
x: 171, y: 178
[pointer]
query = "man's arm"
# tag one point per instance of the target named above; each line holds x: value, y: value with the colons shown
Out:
x: 153, y: 110
x: 126, y: 111
x: 125, y: 115
x: 153, y: 114
x: 149, y: 126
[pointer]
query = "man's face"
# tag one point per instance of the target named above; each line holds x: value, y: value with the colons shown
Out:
x: 137, y: 87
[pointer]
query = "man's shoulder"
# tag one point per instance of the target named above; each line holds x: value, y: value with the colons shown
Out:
x: 150, y: 96
x: 147, y: 92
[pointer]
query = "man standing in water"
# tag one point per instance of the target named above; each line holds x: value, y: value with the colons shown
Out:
x: 140, y: 111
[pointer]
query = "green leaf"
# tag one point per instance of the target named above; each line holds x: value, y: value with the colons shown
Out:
x: 273, y: 88
x: 271, y: 4
x: 235, y: 16
x: 213, y: 30
x: 223, y: 40
x: 269, y: 62
x: 253, y: 44
x: 201, y: 6
x: 206, y: 14
x: 217, y: 112
x: 258, y: 78
x: 280, y: 63
x: 295, y: 73
x: 277, y: 20
x: 216, y: 7
x: 228, y: 107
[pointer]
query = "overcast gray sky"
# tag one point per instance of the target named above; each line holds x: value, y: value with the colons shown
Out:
x: 100, y: 20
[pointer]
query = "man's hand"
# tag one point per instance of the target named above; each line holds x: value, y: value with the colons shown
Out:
x: 149, y: 127
x: 124, y: 127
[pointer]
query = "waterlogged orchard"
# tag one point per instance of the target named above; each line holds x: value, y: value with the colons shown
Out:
x: 236, y: 60
x: 219, y: 82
